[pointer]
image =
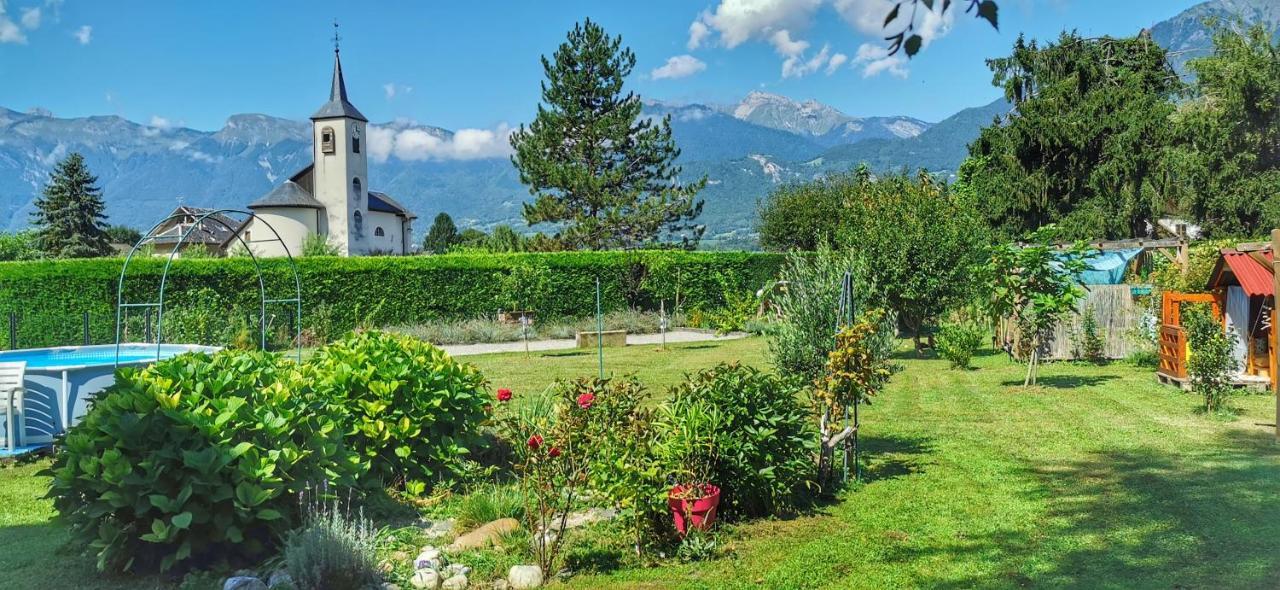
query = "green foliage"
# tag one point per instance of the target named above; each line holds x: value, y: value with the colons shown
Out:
x: 763, y: 444
x: 697, y: 546
x: 333, y: 550
x: 1085, y: 146
x: 526, y: 287
x: 442, y: 235
x: 505, y: 239
x: 803, y: 216
x: 69, y: 218
x: 809, y: 306
x: 593, y: 163
x: 918, y: 242
x: 123, y: 235
x: 1090, y: 345
x: 1201, y: 258
x: 317, y: 245
x: 339, y: 294
x: 1036, y: 285
x: 193, y: 459
x: 19, y: 246
x: 487, y: 504
x: 1211, y: 364
x: 410, y: 411
x: 1229, y: 147
x: 957, y: 342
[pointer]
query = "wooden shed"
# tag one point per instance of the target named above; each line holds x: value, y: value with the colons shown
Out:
x: 1242, y: 296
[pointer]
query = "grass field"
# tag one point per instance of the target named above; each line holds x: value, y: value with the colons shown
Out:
x: 1099, y: 478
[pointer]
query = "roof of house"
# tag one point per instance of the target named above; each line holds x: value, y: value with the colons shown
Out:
x: 287, y: 194
x: 338, y: 106
x: 214, y: 229
x: 381, y: 202
x: 1252, y: 271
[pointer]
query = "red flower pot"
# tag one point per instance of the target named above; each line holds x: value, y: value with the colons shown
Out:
x: 693, y: 506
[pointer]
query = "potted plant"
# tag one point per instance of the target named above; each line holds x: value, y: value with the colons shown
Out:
x: 689, y: 435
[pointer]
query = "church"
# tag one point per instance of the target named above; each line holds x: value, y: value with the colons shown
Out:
x: 331, y: 197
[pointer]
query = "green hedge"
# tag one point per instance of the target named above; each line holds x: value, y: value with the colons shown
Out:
x: 208, y: 298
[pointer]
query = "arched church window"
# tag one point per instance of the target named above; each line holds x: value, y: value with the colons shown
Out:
x: 359, y: 225
x: 355, y: 141
x: 377, y: 232
x: 326, y: 140
x: 355, y: 186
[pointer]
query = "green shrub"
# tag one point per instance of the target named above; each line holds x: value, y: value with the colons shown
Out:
x: 1211, y: 364
x: 334, y: 550
x: 486, y: 504
x: 1090, y: 345
x: 958, y: 342
x: 766, y: 449
x: 410, y: 411
x: 402, y: 290
x: 193, y: 459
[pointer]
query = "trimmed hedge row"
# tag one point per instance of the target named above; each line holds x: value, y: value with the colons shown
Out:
x: 341, y: 293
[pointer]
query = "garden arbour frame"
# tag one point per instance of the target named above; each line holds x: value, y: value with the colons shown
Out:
x: 216, y: 217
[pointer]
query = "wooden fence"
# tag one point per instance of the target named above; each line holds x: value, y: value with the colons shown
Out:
x: 1119, y: 316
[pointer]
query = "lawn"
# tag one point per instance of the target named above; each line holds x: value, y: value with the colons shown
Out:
x: 1097, y: 478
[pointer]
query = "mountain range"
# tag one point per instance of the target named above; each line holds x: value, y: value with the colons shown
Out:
x: 745, y: 149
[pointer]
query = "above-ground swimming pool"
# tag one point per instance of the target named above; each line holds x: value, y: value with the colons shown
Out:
x: 61, y: 382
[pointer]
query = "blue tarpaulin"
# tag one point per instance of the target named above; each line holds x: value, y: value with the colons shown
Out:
x: 1107, y: 268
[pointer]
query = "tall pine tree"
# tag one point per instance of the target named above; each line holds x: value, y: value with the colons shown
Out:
x: 605, y: 175
x: 69, y: 217
x: 442, y: 235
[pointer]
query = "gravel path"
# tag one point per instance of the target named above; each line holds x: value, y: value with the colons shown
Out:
x: 673, y: 337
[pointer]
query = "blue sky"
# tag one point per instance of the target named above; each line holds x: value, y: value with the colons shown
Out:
x: 475, y: 64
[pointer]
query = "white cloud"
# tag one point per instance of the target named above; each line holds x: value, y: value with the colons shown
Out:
x: 775, y: 21
x: 875, y: 59
x: 781, y: 41
x: 739, y: 20
x: 679, y: 66
x: 698, y: 32
x: 31, y: 17
x: 391, y: 89
x: 84, y: 34
x: 837, y: 60
x: 796, y: 66
x: 9, y: 30
x: 160, y: 122
x: 415, y: 144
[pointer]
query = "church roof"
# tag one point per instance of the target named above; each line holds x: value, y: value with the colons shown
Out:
x: 381, y: 202
x: 288, y: 194
x: 214, y: 229
x: 338, y: 107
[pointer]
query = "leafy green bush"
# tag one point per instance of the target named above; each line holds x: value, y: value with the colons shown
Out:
x: 195, y: 458
x: 381, y: 291
x: 1090, y: 345
x: 333, y: 550
x: 1211, y: 364
x: 957, y: 342
x: 410, y: 411
x: 766, y: 448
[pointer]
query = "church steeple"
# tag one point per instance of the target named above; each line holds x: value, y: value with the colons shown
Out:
x: 338, y: 106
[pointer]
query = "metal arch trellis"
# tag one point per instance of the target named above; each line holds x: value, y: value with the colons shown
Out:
x: 211, y: 216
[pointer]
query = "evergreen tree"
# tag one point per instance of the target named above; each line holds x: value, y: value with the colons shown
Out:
x: 1085, y: 147
x: 69, y: 217
x: 441, y: 236
x: 599, y: 170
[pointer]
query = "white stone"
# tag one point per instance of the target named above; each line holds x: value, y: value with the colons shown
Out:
x: 426, y: 579
x: 458, y: 582
x: 244, y: 583
x: 524, y: 577
x: 429, y: 558
x: 280, y: 579
x: 457, y: 569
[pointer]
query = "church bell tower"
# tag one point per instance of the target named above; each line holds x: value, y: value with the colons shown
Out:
x: 341, y: 174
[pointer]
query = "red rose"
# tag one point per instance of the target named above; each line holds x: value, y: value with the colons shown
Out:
x: 554, y: 452
x: 585, y: 400
x: 504, y: 395
x: 535, y: 441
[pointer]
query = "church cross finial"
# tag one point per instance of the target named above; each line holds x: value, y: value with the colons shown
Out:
x: 336, y: 38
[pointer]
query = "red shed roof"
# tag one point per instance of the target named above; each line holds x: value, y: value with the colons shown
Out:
x: 1245, y: 269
